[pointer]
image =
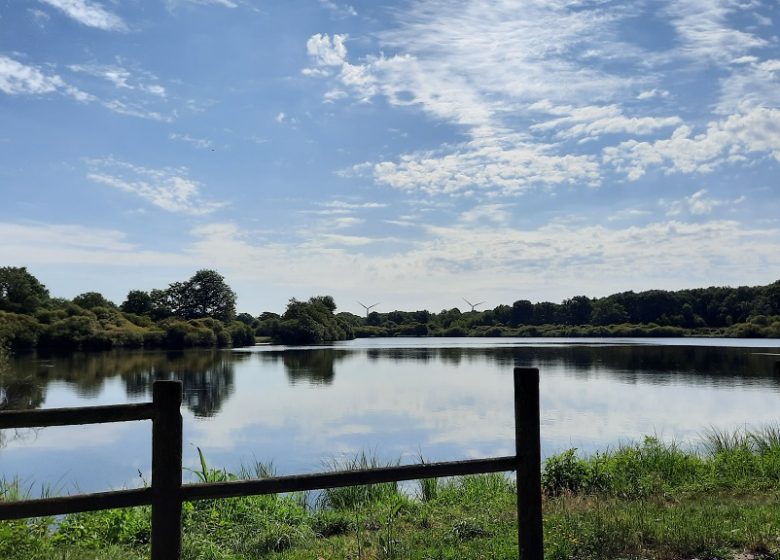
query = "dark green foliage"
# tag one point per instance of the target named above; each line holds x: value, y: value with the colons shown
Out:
x: 20, y: 332
x: 90, y: 300
x: 726, y: 312
x: 241, y: 334
x: 247, y: 319
x: 187, y: 314
x: 204, y: 295
x: 311, y: 322
x: 137, y: 302
x: 20, y: 291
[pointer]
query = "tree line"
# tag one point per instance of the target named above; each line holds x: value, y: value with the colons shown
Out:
x: 201, y: 311
x: 715, y: 311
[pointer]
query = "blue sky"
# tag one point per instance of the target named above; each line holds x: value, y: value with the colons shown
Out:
x: 409, y: 153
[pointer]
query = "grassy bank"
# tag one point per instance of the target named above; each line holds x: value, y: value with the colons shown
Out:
x: 647, y: 500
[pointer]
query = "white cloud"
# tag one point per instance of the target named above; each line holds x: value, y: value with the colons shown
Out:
x: 705, y: 33
x: 173, y: 4
x: 351, y: 205
x: 326, y: 50
x: 490, y: 68
x: 437, y: 268
x: 91, y: 14
x: 698, y: 204
x: 546, y: 261
x: 652, y: 93
x: 339, y: 9
x: 490, y: 213
x: 503, y: 165
x: 169, y: 189
x: 135, y: 110
x: 590, y: 121
x: 345, y: 222
x: 728, y: 140
x: 39, y: 16
x: 17, y: 78
x: 199, y: 143
x: 754, y: 84
x: 627, y: 214
x: 122, y: 78
x: 22, y: 79
x: 75, y: 245
x: 347, y: 240
x: 479, y: 65
x: 280, y: 118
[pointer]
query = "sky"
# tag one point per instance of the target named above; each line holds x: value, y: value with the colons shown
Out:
x: 411, y: 153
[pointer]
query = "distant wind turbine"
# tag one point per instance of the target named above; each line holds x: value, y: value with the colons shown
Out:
x: 473, y: 305
x: 368, y: 308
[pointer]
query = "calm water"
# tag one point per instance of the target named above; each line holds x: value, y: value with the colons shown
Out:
x: 444, y: 398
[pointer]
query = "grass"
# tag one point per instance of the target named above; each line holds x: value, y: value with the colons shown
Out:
x: 649, y: 500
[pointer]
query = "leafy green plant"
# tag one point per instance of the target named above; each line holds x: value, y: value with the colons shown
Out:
x: 564, y: 473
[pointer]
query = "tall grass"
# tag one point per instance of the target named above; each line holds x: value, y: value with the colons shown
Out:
x: 351, y: 497
x: 761, y: 440
x: 650, y: 499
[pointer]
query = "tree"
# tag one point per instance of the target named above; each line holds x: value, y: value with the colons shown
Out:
x: 246, y: 318
x: 522, y: 312
x: 206, y: 294
x: 20, y: 291
x: 137, y: 302
x: 89, y: 300
x: 608, y: 312
x: 576, y: 311
x: 161, y: 304
x: 311, y: 322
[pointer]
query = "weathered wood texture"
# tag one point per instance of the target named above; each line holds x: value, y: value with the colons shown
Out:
x: 529, y: 464
x: 74, y: 504
x: 76, y: 416
x: 166, y: 471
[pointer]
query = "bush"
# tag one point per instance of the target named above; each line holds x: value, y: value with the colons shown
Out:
x: 21, y: 332
x: 564, y: 473
x: 241, y: 334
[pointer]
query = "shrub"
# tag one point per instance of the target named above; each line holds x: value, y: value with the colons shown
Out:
x: 21, y: 332
x: 564, y: 473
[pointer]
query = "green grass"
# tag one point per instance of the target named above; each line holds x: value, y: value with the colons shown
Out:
x: 649, y: 500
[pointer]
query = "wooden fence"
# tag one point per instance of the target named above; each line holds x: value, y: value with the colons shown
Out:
x: 167, y: 493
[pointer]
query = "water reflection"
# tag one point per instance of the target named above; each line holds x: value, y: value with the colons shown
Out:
x: 627, y: 363
x: 315, y: 367
x: 207, y: 376
x: 299, y: 406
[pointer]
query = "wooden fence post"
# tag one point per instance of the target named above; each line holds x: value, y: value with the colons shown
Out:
x: 529, y: 464
x: 166, y: 471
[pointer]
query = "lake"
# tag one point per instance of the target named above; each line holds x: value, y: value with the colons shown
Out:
x: 444, y: 399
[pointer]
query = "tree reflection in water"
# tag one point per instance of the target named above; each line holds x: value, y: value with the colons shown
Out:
x: 207, y: 375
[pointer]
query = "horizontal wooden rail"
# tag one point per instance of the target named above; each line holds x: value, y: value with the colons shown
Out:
x: 48, y: 417
x: 319, y: 481
x: 237, y: 488
x: 74, y: 504
x: 167, y: 493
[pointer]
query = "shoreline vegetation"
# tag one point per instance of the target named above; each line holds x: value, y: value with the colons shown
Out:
x: 201, y: 312
x: 651, y: 500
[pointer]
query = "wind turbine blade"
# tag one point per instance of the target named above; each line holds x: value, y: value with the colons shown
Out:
x: 480, y: 303
x: 467, y: 301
